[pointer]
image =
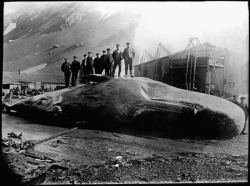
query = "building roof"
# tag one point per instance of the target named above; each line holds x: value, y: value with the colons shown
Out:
x: 14, y: 77
x: 209, y: 50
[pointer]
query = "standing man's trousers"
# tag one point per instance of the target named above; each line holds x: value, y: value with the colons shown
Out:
x: 128, y: 63
x: 67, y: 79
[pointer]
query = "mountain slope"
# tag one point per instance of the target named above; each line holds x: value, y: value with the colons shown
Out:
x: 48, y: 34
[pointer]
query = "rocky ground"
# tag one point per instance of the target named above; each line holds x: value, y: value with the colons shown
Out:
x: 93, y: 156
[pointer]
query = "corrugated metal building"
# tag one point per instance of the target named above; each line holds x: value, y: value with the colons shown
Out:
x: 219, y: 68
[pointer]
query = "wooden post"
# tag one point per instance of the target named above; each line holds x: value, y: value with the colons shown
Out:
x: 194, y: 71
x: 216, y: 78
x: 190, y: 74
x: 54, y: 136
x: 171, y: 72
x: 208, y: 76
x: 186, y: 75
x: 224, y: 74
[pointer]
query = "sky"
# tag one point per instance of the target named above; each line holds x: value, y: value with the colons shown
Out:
x: 223, y: 23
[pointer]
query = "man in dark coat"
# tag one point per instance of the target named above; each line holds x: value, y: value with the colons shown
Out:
x: 235, y: 100
x: 104, y: 59
x: 89, y: 64
x: 83, y: 69
x: 244, y: 107
x: 66, y: 70
x: 117, y: 56
x: 98, y: 64
x: 128, y: 55
x: 75, y: 67
x: 109, y: 63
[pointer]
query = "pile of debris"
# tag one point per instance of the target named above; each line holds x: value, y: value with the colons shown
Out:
x: 14, y: 142
x: 29, y: 167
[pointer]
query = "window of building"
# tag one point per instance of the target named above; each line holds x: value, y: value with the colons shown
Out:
x: 6, y: 86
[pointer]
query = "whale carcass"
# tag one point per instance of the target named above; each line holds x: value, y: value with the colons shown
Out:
x: 139, y: 103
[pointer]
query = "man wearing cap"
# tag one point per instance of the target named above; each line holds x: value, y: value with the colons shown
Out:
x: 244, y: 107
x: 128, y: 55
x: 75, y: 67
x: 103, y: 59
x: 83, y: 69
x: 98, y: 64
x: 89, y: 63
x: 117, y: 56
x: 66, y: 70
x: 235, y: 100
x: 109, y: 63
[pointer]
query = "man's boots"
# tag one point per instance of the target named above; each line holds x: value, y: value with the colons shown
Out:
x: 126, y: 72
x: 131, y: 75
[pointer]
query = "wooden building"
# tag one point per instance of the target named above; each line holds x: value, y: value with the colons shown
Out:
x: 217, y: 70
x: 33, y: 81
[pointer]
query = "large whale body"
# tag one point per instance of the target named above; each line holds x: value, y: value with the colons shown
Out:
x: 143, y: 104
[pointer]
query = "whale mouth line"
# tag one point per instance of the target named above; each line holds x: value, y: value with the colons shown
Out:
x: 162, y: 105
x: 195, y: 106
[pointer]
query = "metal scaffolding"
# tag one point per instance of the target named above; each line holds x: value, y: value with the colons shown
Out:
x: 142, y: 69
x: 157, y: 71
x: 158, y: 52
x: 190, y: 84
x: 194, y: 50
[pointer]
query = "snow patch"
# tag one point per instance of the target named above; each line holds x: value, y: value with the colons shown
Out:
x: 35, y: 68
x: 105, y: 16
x: 11, y: 27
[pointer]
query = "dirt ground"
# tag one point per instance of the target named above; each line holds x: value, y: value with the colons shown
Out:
x: 94, y: 156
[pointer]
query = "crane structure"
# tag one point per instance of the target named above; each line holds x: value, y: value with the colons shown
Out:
x: 194, y: 50
x: 142, y: 69
x: 193, y: 46
x: 157, y: 71
x: 158, y: 51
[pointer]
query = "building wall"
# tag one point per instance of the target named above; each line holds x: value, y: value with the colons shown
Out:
x: 51, y: 86
x: 219, y: 72
x: 157, y: 70
x: 233, y: 79
x: 176, y: 76
x: 31, y: 86
x: 233, y: 69
x: 6, y: 89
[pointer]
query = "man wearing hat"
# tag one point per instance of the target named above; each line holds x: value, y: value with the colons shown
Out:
x: 109, y: 63
x: 83, y: 68
x: 244, y: 107
x: 89, y: 64
x: 117, y: 56
x: 103, y: 59
x: 66, y: 70
x: 98, y: 64
x: 128, y: 55
x: 75, y: 67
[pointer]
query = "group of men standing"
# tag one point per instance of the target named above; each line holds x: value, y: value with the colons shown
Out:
x: 107, y: 62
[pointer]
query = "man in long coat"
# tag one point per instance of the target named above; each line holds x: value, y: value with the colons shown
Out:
x: 67, y: 71
x: 75, y: 67
x: 129, y: 55
x: 117, y: 56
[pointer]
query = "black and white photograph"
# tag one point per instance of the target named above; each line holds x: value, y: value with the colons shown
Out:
x: 125, y: 92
